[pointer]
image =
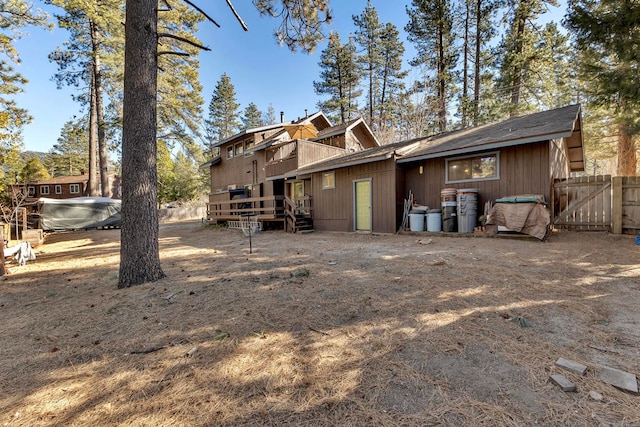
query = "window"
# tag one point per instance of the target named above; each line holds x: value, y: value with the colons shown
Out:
x: 477, y: 168
x: 239, y: 149
x: 328, y: 180
x: 74, y: 188
x: 44, y: 190
x: 230, y: 152
x: 249, y: 143
x: 32, y: 191
x: 58, y: 189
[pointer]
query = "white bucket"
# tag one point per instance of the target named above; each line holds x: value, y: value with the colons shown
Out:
x: 434, y: 220
x: 416, y: 221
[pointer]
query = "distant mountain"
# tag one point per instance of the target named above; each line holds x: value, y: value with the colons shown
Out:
x: 30, y: 154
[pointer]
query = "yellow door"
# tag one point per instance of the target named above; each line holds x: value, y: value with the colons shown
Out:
x: 363, y: 205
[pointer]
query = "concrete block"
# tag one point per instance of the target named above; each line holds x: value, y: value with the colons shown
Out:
x: 562, y: 382
x: 571, y: 366
x: 617, y: 378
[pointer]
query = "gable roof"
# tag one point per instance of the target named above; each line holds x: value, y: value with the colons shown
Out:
x: 562, y: 122
x: 382, y: 152
x: 346, y: 127
x: 249, y: 131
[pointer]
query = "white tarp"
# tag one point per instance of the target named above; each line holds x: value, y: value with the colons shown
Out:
x: 78, y: 213
x: 22, y: 253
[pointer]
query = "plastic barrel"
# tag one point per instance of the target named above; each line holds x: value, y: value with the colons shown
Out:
x: 416, y: 221
x: 434, y: 220
x: 467, y: 209
x: 449, y: 209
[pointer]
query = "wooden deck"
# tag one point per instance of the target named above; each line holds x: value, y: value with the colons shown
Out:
x: 258, y: 208
x: 294, y: 216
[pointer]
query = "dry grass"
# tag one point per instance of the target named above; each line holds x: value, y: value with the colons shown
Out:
x: 320, y: 329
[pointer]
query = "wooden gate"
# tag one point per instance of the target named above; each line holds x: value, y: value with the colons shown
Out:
x: 583, y: 203
x: 626, y: 195
x: 598, y: 203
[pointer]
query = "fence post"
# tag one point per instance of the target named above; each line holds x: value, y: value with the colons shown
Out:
x: 616, y: 205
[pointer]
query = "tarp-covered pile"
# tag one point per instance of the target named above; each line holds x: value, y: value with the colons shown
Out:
x: 22, y: 253
x: 525, y: 214
x: 78, y: 213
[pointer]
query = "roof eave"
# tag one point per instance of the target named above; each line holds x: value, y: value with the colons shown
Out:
x: 321, y: 168
x: 485, y: 147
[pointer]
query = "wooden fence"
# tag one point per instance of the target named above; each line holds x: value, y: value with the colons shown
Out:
x: 598, y: 202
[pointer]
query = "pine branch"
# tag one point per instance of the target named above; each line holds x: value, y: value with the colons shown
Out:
x: 172, y: 36
x: 169, y: 52
x: 202, y: 12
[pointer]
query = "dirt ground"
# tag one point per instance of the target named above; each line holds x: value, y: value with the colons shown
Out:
x: 321, y: 329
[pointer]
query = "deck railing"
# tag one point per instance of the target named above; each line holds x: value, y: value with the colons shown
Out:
x: 270, y: 207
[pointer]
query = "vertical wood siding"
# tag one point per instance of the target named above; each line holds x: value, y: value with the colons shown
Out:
x: 524, y: 169
x: 333, y: 209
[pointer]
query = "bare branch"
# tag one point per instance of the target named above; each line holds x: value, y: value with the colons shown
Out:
x: 202, y: 12
x: 168, y: 52
x: 167, y: 3
x: 233, y: 9
x: 171, y: 36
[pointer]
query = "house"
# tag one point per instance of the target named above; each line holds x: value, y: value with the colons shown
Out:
x: 365, y: 191
x: 250, y: 171
x: 60, y: 187
x: 344, y: 181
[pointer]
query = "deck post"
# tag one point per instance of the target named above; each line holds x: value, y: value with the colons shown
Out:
x: 616, y: 205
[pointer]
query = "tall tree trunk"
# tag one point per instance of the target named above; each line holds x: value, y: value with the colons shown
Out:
x: 627, y: 160
x: 102, y: 143
x: 139, y: 250
x: 476, y: 84
x: 93, y: 131
x: 442, y: 86
x: 465, y: 68
x: 516, y: 81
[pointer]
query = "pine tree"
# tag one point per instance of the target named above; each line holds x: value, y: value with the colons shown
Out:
x: 139, y: 249
x: 223, y: 111
x: 270, y: 116
x: 368, y: 36
x: 430, y: 29
x: 252, y: 117
x: 33, y: 170
x: 69, y: 155
x: 391, y: 76
x: 91, y: 60
x: 607, y: 35
x: 14, y: 15
x: 339, y: 79
x: 519, y: 57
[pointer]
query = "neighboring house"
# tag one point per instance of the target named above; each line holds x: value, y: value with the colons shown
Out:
x: 61, y: 187
x: 365, y: 190
x: 249, y: 172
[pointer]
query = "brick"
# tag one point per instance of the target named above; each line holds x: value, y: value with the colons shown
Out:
x: 571, y: 366
x: 620, y: 379
x: 563, y: 382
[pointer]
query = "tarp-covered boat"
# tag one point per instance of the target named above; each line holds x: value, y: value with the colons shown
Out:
x: 78, y: 213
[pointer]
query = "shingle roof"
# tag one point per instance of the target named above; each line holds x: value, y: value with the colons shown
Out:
x: 364, y: 156
x: 558, y: 123
x: 68, y: 179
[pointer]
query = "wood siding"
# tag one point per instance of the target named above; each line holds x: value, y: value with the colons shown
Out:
x: 333, y: 209
x: 523, y: 169
x: 313, y: 152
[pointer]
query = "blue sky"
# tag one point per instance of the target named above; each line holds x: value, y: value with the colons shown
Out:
x: 261, y: 71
